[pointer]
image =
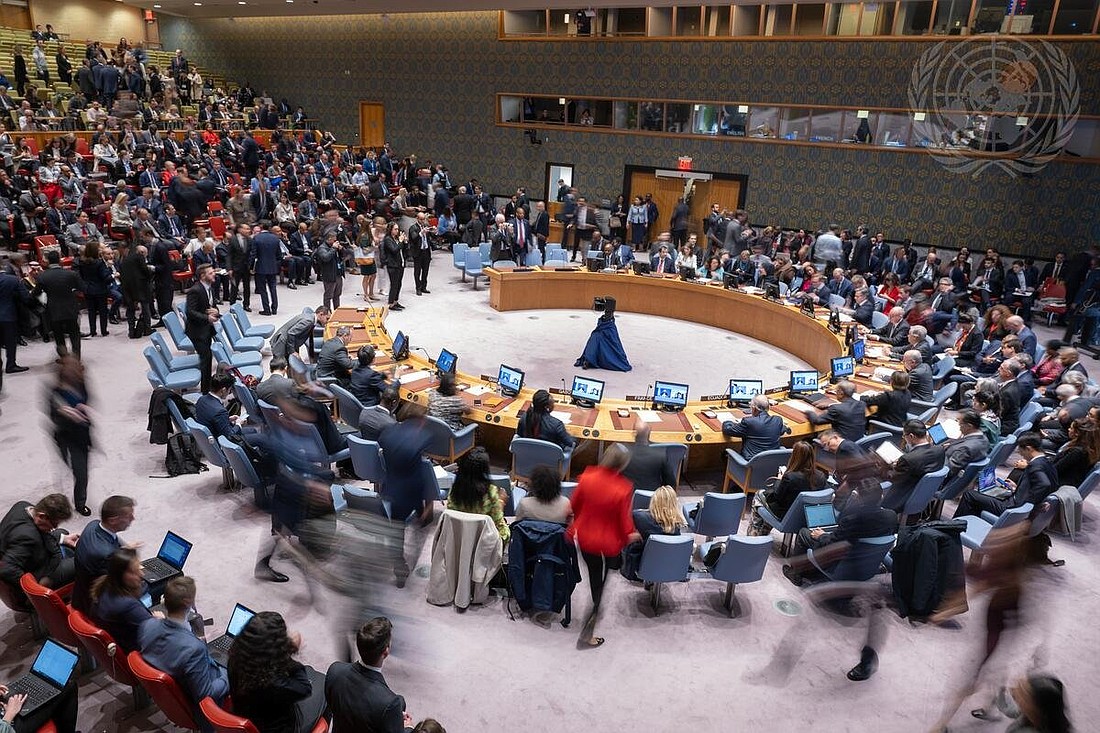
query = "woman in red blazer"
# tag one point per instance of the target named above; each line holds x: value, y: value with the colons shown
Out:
x: 602, y: 526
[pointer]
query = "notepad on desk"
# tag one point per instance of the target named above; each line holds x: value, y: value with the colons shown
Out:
x: 414, y: 376
x: 725, y: 417
x: 478, y: 389
x: 800, y: 405
x: 649, y: 416
x: 565, y: 417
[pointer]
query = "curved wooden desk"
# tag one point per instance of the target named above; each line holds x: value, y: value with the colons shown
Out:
x: 613, y: 420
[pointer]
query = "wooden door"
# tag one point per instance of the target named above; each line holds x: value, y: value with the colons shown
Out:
x: 666, y: 191
x: 372, y: 124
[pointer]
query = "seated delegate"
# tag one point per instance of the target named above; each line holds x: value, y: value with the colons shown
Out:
x: 116, y: 598
x: 445, y: 404
x: 30, y: 543
x: 1039, y: 478
x: 801, y: 474
x: 277, y: 693
x: 760, y: 431
x: 544, y: 501
x: 663, y: 517
x: 538, y: 423
x: 365, y: 382
x: 98, y: 541
x: 648, y: 467
x: 474, y: 493
x: 892, y: 405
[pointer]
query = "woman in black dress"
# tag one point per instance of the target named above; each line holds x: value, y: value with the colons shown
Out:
x: 97, y: 282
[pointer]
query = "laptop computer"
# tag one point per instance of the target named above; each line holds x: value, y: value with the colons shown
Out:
x: 219, y: 648
x: 990, y: 485
x: 937, y: 434
x: 169, y: 561
x: 820, y: 516
x: 889, y: 452
x: 49, y: 674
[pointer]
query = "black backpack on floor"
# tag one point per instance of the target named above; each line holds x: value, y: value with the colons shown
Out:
x: 183, y: 455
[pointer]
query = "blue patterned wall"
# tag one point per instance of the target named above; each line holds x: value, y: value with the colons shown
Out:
x: 437, y: 75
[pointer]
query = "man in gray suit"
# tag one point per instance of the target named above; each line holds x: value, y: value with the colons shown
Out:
x: 920, y: 375
x: 970, y: 446
x: 79, y: 234
x: 758, y: 432
x: 334, y: 362
x: 288, y: 339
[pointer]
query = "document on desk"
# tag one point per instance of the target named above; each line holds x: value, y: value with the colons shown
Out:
x: 800, y: 405
x: 414, y: 376
x: 649, y: 416
x: 478, y: 390
x: 565, y: 417
x: 725, y: 417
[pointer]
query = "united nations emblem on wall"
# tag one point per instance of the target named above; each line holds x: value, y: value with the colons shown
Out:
x: 1009, y: 104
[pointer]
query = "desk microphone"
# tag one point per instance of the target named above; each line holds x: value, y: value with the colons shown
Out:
x: 422, y: 350
x: 647, y: 388
x: 563, y: 385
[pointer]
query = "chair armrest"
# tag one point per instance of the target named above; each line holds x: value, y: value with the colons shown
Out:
x: 989, y: 517
x: 737, y: 458
x: 920, y: 405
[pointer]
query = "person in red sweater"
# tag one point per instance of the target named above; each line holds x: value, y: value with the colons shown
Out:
x: 602, y: 526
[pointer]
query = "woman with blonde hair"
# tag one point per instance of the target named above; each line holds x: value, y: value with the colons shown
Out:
x: 121, y: 221
x: 663, y: 517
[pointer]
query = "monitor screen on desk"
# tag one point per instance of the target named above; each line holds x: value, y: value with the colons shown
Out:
x: 586, y: 389
x: 670, y: 394
x: 509, y: 378
x: 743, y: 390
x: 446, y: 362
x: 400, y: 346
x: 843, y: 366
x: 859, y: 350
x: 803, y: 382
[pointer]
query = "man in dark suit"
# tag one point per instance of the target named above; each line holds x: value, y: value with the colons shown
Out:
x: 238, y: 262
x: 13, y: 296
x: 1039, y: 479
x: 98, y: 540
x: 356, y: 692
x: 662, y: 262
x: 1010, y: 395
x: 896, y: 330
x: 841, y: 286
x: 917, y: 340
x: 201, y: 317
x: 524, y: 234
x: 970, y: 446
x: 848, y: 416
x: 648, y: 468
x: 921, y: 457
x: 289, y: 337
x: 62, y: 308
x: 758, y: 432
x: 163, y: 266
x: 170, y: 645
x: 1028, y: 339
x: 333, y: 361
x: 265, y: 258
x: 503, y: 240
x: 250, y: 154
x: 1055, y: 270
x: 374, y: 420
x: 862, y: 517
x: 30, y: 543
x: 541, y: 226
x: 420, y: 251
x: 366, y: 383
x: 137, y: 290
x: 863, y: 307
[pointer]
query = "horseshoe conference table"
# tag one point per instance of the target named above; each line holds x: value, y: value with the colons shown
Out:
x: 698, y: 425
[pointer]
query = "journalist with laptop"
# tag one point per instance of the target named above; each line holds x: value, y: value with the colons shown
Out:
x: 47, y: 693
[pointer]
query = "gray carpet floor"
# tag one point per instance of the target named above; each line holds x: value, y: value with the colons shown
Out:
x: 779, y: 666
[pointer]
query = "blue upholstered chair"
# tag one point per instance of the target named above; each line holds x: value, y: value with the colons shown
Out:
x: 665, y: 559
x: 978, y: 530
x: 530, y: 452
x: 860, y: 563
x: 743, y: 561
x: 719, y: 515
x: 448, y: 445
x: 795, y: 518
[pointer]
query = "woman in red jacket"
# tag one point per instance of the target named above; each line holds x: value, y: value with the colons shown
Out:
x: 602, y: 526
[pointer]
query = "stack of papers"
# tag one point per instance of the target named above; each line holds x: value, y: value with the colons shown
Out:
x: 565, y: 417
x: 649, y: 416
x: 414, y: 376
x: 800, y: 405
x: 478, y: 389
x: 725, y: 417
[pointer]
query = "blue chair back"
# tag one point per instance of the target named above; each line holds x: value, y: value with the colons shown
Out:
x: 862, y: 561
x: 552, y: 262
x: 347, y: 404
x: 162, y: 346
x: 1089, y: 484
x: 1042, y: 519
x: 720, y: 514
x: 473, y: 263
x: 675, y: 453
x: 1012, y: 517
x: 175, y: 330
x: 923, y: 493
x: 484, y: 249
x: 640, y: 500
x: 272, y: 414
x: 836, y: 301
x: 177, y: 416
x: 567, y: 488
x: 207, y: 446
x: 458, y: 254
x: 874, y: 440
x: 241, y: 316
x: 1002, y: 450
x: 764, y: 465
x: 156, y: 363
x: 743, y: 560
x: 221, y: 356
x: 944, y: 393
x: 957, y: 485
x: 533, y: 258
x: 362, y: 500
x: 878, y: 318
x: 530, y: 452
x: 248, y: 402
x: 795, y: 518
x: 366, y: 460
x: 504, y: 265
x: 942, y: 368
x: 231, y: 329
x: 666, y: 559
x: 244, y: 471
x: 1028, y: 414
x: 441, y: 434
x: 299, y: 371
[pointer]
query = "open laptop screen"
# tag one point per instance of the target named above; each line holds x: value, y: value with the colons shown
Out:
x: 240, y: 617
x: 174, y: 550
x: 820, y: 515
x: 55, y: 663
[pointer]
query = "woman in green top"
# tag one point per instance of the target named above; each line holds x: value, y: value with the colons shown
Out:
x: 472, y: 492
